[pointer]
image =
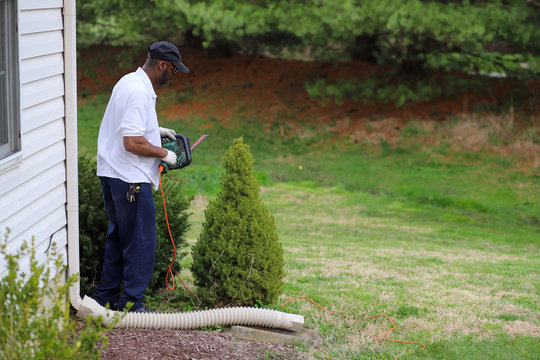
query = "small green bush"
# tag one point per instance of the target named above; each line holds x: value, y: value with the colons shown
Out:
x: 93, y: 223
x: 238, y: 259
x: 34, y: 313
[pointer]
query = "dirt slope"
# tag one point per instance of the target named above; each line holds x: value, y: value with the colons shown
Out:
x: 274, y: 88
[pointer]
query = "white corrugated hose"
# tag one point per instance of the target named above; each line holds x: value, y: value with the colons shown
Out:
x: 196, y: 319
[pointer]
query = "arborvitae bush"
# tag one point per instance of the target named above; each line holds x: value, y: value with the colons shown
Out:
x: 93, y: 223
x: 34, y: 314
x: 238, y: 259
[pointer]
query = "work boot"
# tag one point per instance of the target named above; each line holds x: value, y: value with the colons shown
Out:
x: 108, y: 305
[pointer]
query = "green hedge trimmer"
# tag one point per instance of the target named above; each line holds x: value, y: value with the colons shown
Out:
x: 181, y: 148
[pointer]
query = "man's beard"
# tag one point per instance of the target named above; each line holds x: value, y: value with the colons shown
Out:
x: 164, y: 78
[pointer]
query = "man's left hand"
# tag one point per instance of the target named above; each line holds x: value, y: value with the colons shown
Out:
x: 164, y: 132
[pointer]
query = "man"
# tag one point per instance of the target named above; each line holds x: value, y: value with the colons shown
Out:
x: 128, y: 156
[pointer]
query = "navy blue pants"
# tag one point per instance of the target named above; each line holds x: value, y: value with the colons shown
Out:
x: 130, y: 245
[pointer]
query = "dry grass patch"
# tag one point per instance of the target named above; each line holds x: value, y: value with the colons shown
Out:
x: 376, y: 131
x: 455, y: 309
x: 452, y: 256
x: 522, y: 328
x: 469, y: 135
x: 359, y: 270
x: 197, y: 207
x: 481, y: 132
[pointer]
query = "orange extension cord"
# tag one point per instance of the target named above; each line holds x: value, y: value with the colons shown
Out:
x: 171, y: 272
x: 377, y: 337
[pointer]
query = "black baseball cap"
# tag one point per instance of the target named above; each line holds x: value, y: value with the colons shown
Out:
x: 164, y: 50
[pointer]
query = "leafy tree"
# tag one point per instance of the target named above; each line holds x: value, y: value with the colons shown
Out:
x: 238, y: 259
x: 415, y: 35
x: 127, y: 23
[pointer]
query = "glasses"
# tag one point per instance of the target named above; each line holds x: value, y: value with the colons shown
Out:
x: 173, y: 69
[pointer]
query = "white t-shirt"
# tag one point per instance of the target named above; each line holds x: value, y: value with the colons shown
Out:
x: 131, y: 111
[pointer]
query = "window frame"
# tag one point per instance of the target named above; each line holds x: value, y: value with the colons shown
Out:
x: 10, y: 119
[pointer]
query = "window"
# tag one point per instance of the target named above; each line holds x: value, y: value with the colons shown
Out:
x: 9, y: 80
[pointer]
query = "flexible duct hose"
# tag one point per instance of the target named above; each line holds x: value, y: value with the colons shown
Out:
x: 195, y: 319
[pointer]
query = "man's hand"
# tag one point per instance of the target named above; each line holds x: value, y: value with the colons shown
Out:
x: 170, y: 159
x: 164, y: 132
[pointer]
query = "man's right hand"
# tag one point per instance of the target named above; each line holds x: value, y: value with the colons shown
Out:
x: 170, y: 159
x: 138, y: 145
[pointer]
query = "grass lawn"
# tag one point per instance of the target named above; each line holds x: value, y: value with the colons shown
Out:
x: 442, y: 238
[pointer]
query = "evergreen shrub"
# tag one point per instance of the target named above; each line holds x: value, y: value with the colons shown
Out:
x: 93, y: 224
x: 238, y: 260
x: 34, y: 312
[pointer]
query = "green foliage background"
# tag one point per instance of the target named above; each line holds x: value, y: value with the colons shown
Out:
x: 238, y: 259
x: 414, y: 35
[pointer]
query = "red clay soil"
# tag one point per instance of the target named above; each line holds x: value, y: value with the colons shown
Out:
x: 270, y: 88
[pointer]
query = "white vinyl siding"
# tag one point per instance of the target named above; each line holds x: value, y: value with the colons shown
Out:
x: 41, y: 44
x: 40, y: 91
x: 38, y: 21
x: 40, y: 4
x: 44, y: 66
x: 33, y: 194
x: 32, y: 167
x: 39, y: 115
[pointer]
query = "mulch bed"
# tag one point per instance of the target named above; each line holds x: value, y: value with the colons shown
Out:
x: 164, y: 344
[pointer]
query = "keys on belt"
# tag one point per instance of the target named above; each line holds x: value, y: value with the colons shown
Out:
x: 133, y: 190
